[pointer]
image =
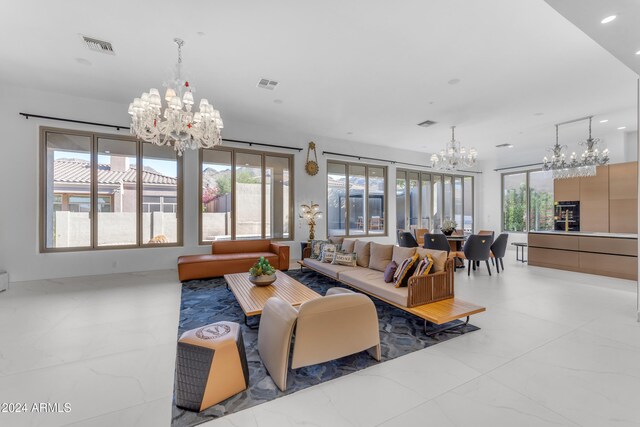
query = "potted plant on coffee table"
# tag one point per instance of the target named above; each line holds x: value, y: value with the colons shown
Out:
x: 262, y: 273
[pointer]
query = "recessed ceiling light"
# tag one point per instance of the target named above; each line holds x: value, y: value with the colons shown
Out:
x: 638, y: 52
x: 622, y: 127
x: 604, y: 121
x: 608, y: 19
x: 454, y: 81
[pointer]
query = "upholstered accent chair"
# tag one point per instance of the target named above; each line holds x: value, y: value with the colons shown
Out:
x: 436, y: 241
x: 339, y: 324
x: 419, y: 235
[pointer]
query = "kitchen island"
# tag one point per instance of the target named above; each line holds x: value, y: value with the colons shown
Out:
x: 606, y: 254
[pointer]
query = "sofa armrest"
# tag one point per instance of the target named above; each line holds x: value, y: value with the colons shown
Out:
x: 432, y: 287
x: 283, y: 255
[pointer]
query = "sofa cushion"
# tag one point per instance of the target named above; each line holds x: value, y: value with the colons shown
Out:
x: 362, y: 253
x: 328, y: 251
x: 424, y: 266
x: 194, y: 259
x: 400, y: 254
x: 316, y: 248
x: 373, y: 282
x: 331, y: 270
x: 439, y: 258
x: 380, y: 256
x: 349, y: 245
x: 236, y: 246
x: 336, y: 239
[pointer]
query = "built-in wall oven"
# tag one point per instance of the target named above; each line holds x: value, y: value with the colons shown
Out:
x: 567, y: 216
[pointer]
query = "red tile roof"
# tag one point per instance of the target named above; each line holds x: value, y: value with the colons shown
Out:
x: 79, y: 171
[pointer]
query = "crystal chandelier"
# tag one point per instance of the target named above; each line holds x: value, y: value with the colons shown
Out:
x: 454, y: 155
x: 177, y: 125
x: 574, y: 168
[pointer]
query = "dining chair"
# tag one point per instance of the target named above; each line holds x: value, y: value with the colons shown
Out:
x: 419, y: 235
x: 476, y: 249
x: 487, y: 233
x: 436, y: 241
x: 406, y: 240
x: 498, y: 249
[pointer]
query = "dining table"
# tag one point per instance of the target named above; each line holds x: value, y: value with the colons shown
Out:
x: 456, y: 243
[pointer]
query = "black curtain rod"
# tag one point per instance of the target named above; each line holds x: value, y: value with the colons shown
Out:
x: 118, y: 127
x: 27, y: 115
x: 393, y: 162
x: 517, y: 167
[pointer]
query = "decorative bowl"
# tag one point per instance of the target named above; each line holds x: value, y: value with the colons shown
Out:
x: 264, y: 280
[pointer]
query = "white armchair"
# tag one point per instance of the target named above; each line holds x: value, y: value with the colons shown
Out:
x: 340, y: 324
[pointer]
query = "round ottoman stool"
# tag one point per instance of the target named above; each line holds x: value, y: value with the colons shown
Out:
x: 211, y: 365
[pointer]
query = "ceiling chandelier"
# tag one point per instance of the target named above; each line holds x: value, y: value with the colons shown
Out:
x: 574, y: 167
x: 454, y: 155
x: 177, y: 125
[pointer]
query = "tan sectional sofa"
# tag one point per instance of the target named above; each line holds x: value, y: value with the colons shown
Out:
x: 420, y: 290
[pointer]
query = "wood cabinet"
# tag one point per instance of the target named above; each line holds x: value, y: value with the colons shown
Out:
x: 608, y: 201
x: 623, y: 202
x: 606, y: 256
x: 594, y: 201
x: 566, y: 190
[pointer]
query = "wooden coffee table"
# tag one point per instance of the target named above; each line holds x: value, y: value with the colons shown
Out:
x: 252, y: 298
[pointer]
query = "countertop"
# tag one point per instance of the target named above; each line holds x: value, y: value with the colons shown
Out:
x: 588, y: 234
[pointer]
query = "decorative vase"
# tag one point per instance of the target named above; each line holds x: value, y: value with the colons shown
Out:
x: 264, y: 280
x: 447, y: 232
x: 312, y: 231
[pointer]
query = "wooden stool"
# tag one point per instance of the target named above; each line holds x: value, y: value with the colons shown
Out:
x: 211, y: 365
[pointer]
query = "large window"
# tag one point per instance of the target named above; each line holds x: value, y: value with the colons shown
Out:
x: 94, y: 195
x: 245, y: 195
x: 424, y: 200
x: 356, y: 199
x: 527, y: 201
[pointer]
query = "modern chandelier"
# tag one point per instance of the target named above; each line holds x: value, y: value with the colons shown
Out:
x: 574, y: 167
x: 454, y: 155
x: 176, y: 125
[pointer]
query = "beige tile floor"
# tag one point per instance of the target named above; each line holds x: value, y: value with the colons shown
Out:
x: 556, y: 348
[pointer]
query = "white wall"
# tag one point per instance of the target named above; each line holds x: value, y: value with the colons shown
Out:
x: 19, y: 246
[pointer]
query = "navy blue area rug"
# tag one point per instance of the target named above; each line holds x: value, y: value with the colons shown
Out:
x: 209, y: 301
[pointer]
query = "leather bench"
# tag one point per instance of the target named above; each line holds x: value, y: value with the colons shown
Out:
x: 229, y: 256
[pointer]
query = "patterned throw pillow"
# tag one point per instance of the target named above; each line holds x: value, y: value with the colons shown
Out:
x: 401, y: 277
x: 328, y: 252
x: 316, y: 248
x: 424, y: 266
x: 340, y: 258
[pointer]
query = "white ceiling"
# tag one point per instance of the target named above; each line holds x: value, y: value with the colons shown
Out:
x: 373, y: 68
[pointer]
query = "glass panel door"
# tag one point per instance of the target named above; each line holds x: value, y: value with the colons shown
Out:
x: 436, y: 184
x: 425, y: 220
x: 401, y: 200
x: 457, y: 201
x: 159, y: 194
x: 357, y: 185
x: 248, y: 171
x: 336, y: 199
x: 376, y: 200
x: 216, y: 195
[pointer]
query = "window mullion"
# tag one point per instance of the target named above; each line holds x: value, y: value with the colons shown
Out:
x: 93, y: 215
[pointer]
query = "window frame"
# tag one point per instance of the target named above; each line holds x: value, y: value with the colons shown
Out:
x: 94, y: 194
x: 442, y: 200
x: 263, y: 184
x: 527, y: 223
x: 365, y: 200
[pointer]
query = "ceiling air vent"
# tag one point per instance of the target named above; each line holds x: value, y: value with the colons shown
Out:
x: 427, y: 123
x: 504, y: 146
x: 98, y: 45
x: 267, y: 84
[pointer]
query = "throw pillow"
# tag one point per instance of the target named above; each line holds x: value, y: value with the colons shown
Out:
x: 390, y: 271
x: 362, y: 252
x: 348, y: 259
x: 328, y: 252
x: 400, y: 254
x: 380, y: 256
x: 316, y: 248
x: 348, y: 245
x: 423, y: 267
x: 336, y: 239
x: 439, y: 258
x: 401, y: 277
